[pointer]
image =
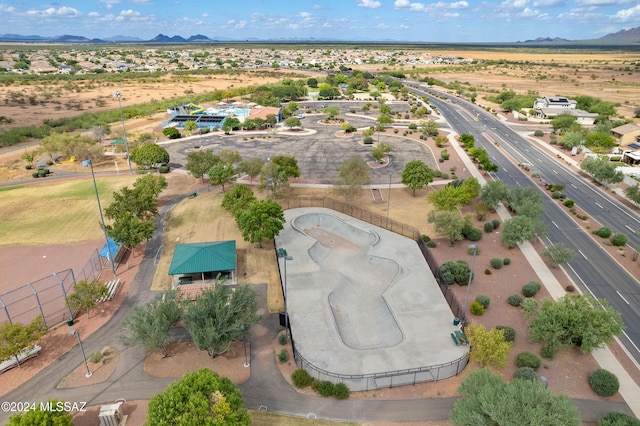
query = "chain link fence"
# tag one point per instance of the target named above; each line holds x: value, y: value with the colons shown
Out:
x: 47, y: 296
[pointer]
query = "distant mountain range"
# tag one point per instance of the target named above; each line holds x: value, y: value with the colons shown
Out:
x: 629, y: 37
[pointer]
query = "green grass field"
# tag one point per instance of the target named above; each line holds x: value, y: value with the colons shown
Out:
x: 56, y: 213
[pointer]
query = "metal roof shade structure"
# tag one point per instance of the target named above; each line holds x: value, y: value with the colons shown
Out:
x: 203, y: 257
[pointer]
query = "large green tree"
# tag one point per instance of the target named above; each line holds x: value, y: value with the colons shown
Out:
x: 558, y: 254
x: 575, y: 320
x: 488, y: 400
x: 450, y: 223
x: 260, y: 219
x: 416, y: 175
x: 43, y: 417
x: 517, y: 230
x: 149, y: 325
x: 16, y: 338
x: 148, y: 154
x: 86, y: 294
x: 275, y: 174
x: 200, y: 162
x: 563, y: 122
x: 354, y: 173
x: 252, y: 167
x: 602, y: 170
x: 488, y: 347
x: 199, y: 398
x: 633, y: 193
x: 221, y: 174
x: 379, y: 151
x: 221, y: 315
x: 292, y: 122
x: 448, y: 198
x: 430, y: 128
x: 494, y: 192
x: 237, y: 198
x: 229, y: 124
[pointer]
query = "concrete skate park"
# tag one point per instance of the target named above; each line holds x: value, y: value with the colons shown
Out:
x: 363, y: 305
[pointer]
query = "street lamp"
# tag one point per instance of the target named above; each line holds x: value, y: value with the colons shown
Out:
x: 473, y: 247
x: 89, y: 163
x: 282, y: 253
x: 388, y: 200
x: 86, y: 364
x: 124, y: 131
x: 244, y: 342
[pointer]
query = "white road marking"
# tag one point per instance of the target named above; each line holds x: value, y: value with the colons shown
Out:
x: 622, y: 297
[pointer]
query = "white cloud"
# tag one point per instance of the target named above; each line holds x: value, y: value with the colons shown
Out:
x: 141, y: 1
x: 430, y: 8
x: 109, y: 2
x: 548, y: 3
x: 317, y: 7
x: 404, y: 27
x: 63, y: 11
x: 240, y: 25
x: 603, y: 2
x: 628, y: 14
x: 515, y: 4
x: 382, y: 26
x: 7, y: 9
x: 369, y: 4
x: 93, y: 15
x: 305, y: 15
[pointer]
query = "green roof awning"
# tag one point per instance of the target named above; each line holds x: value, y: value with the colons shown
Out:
x: 118, y: 142
x: 203, y: 257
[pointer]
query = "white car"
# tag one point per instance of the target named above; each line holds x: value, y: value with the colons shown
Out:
x: 301, y: 116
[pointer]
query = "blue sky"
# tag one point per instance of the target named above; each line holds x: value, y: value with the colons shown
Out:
x: 402, y: 20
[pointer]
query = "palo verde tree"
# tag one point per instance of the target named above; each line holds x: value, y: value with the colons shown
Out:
x: 200, y: 162
x: 16, y: 338
x: 292, y: 122
x: 517, y: 230
x: 149, y: 154
x: 602, y: 170
x: 86, y: 294
x: 260, y: 219
x: 379, y: 151
x: 575, y: 320
x: 221, y: 315
x: 133, y: 211
x: 354, y: 173
x: 450, y: 223
x: 149, y: 325
x: 558, y: 254
x: 488, y: 347
x: 494, y: 192
x: 487, y: 399
x: 633, y: 193
x: 416, y: 175
x: 199, y: 398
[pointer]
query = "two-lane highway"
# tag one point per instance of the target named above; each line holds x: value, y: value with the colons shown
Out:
x: 592, y: 268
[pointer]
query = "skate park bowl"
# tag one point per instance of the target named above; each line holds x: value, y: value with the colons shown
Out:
x: 363, y: 305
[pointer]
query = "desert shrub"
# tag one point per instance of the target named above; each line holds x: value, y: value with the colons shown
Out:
x: 164, y: 169
x: 556, y: 195
x: 472, y: 234
x: 526, y: 373
x: 583, y: 217
x: 444, y: 154
x: 603, y: 232
x: 368, y: 140
x: 496, y: 262
x: 487, y: 272
x: 615, y: 418
x: 413, y: 126
x: 95, y: 357
x: 323, y: 387
x: 171, y: 132
x: 496, y: 223
x: 432, y: 244
x: 604, y: 382
x: 508, y: 332
x: 283, y: 339
x: 484, y: 300
x: 619, y: 240
x: 488, y: 227
x: 341, y: 391
x: 283, y: 356
x: 531, y: 288
x: 455, y: 272
x: 528, y: 359
x: 570, y: 289
x: 395, y: 130
x: 425, y: 238
x: 514, y: 300
x: 301, y: 379
x: 506, y: 261
x: 569, y: 203
x: 529, y: 305
x: 476, y: 308
x: 547, y: 352
x: 538, y: 133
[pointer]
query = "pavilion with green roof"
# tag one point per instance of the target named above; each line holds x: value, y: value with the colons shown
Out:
x: 203, y: 261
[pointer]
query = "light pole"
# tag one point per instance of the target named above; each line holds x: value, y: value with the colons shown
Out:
x: 84, y: 357
x: 89, y: 163
x: 244, y: 343
x: 473, y: 247
x: 124, y: 131
x: 283, y: 254
x: 388, y: 200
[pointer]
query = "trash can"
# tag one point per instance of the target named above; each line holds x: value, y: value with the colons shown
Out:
x: 456, y: 321
x: 70, y: 322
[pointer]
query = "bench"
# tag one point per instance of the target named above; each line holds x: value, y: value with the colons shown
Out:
x: 193, y: 195
x: 112, y: 288
x: 461, y: 337
x: 23, y: 356
x: 185, y: 280
x: 455, y: 339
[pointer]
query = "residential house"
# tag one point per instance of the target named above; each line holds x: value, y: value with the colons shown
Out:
x: 550, y: 107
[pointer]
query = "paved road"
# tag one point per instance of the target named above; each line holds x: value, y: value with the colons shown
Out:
x: 266, y: 388
x: 592, y: 269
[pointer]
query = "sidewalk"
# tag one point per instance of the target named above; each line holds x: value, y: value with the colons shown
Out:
x: 629, y: 390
